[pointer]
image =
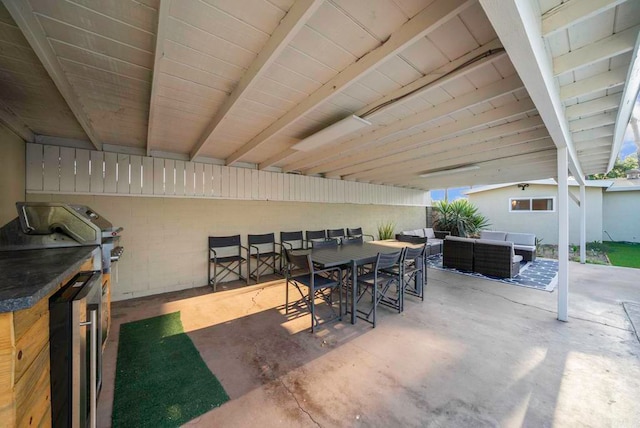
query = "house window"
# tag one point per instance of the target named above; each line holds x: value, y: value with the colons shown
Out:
x: 531, y: 204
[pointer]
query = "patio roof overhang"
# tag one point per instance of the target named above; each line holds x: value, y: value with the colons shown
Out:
x: 485, y: 89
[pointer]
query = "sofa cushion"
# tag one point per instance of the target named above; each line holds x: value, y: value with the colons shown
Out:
x: 415, y: 232
x: 517, y: 259
x: 524, y: 247
x: 460, y: 239
x: 493, y: 234
x: 429, y: 233
x: 522, y: 238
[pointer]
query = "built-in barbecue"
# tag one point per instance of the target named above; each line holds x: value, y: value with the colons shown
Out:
x: 56, y: 225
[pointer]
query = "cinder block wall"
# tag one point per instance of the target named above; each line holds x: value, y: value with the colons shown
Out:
x: 12, y: 173
x: 165, y: 239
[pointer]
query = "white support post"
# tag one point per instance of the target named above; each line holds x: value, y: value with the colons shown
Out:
x: 563, y: 234
x: 583, y: 224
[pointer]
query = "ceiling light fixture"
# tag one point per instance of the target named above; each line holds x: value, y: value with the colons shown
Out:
x: 331, y: 133
x: 450, y: 171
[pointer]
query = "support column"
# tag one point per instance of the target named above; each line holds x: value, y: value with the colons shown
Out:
x: 563, y: 235
x: 583, y: 224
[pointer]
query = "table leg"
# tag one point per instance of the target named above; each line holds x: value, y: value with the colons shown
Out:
x: 354, y: 291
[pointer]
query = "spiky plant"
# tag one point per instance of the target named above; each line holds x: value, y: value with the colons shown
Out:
x: 460, y: 217
x: 385, y: 230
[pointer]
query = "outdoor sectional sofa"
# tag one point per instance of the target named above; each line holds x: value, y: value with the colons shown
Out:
x: 484, y: 256
x: 524, y: 244
x: 426, y: 235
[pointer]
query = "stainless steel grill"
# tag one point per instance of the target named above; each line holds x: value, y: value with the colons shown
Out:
x: 56, y: 225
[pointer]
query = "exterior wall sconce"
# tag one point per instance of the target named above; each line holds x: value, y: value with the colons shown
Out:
x: 523, y: 186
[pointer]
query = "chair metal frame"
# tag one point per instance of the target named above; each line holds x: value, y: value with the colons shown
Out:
x: 409, y: 263
x: 263, y: 259
x: 314, y: 235
x: 387, y: 272
x: 357, y: 231
x: 328, y: 243
x: 317, y: 283
x: 286, y: 242
x: 336, y: 234
x: 230, y: 265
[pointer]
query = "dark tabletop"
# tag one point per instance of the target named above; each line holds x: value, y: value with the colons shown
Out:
x: 29, y: 275
x: 345, y: 254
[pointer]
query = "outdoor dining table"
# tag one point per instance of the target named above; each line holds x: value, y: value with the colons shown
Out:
x: 355, y: 255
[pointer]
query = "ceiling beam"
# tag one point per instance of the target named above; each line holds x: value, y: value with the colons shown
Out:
x: 592, y: 107
x: 22, y: 14
x: 573, y: 12
x: 15, y: 124
x: 161, y: 34
x: 497, y: 148
x: 629, y: 97
x: 591, y: 53
x: 348, y: 164
x: 517, y: 168
x: 459, y: 67
x: 591, y: 134
x: 288, y: 28
x: 518, y: 24
x: 430, y: 18
x: 600, y: 82
x: 592, y: 122
x: 438, y: 145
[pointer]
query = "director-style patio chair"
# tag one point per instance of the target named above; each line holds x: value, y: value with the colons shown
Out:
x: 336, y: 234
x: 301, y: 273
x: 315, y: 235
x: 290, y: 241
x: 413, y: 264
x: 329, y: 243
x: 262, y: 249
x: 225, y: 253
x: 383, y: 284
x: 357, y: 231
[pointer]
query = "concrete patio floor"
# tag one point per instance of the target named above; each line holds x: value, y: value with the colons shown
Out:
x: 475, y: 353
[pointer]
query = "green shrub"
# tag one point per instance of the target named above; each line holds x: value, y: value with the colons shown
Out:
x: 385, y: 230
x: 460, y: 217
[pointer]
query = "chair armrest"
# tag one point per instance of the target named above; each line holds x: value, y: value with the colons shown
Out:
x: 440, y: 234
x: 370, y: 236
x: 329, y: 270
x: 215, y: 255
x: 255, y: 248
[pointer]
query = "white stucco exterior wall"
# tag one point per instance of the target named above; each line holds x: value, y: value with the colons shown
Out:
x: 494, y: 204
x: 622, y: 216
x: 165, y: 239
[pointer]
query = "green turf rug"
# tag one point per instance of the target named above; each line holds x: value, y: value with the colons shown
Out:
x: 161, y: 380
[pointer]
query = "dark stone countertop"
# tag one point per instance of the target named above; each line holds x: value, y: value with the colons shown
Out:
x: 27, y: 276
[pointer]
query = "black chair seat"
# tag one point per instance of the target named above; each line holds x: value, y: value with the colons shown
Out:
x: 228, y: 259
x: 266, y: 254
x: 319, y: 281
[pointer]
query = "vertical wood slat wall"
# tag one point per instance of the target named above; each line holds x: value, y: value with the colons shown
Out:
x: 53, y: 169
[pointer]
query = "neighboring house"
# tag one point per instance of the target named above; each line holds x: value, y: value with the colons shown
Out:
x: 531, y: 207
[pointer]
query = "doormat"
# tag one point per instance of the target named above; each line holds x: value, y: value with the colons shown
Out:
x: 541, y: 274
x: 161, y: 379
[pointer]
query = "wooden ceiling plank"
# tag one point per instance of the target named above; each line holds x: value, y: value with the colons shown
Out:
x: 289, y: 27
x: 22, y: 14
x: 15, y: 123
x: 592, y: 122
x: 518, y: 25
x: 472, y: 158
x: 435, y: 79
x: 393, y: 162
x: 608, y: 47
x: 607, y: 80
x: 431, y: 17
x: 431, y: 134
x: 487, y: 93
x: 572, y: 12
x: 592, y: 107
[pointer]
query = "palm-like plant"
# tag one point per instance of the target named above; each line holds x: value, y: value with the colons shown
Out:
x: 460, y: 217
